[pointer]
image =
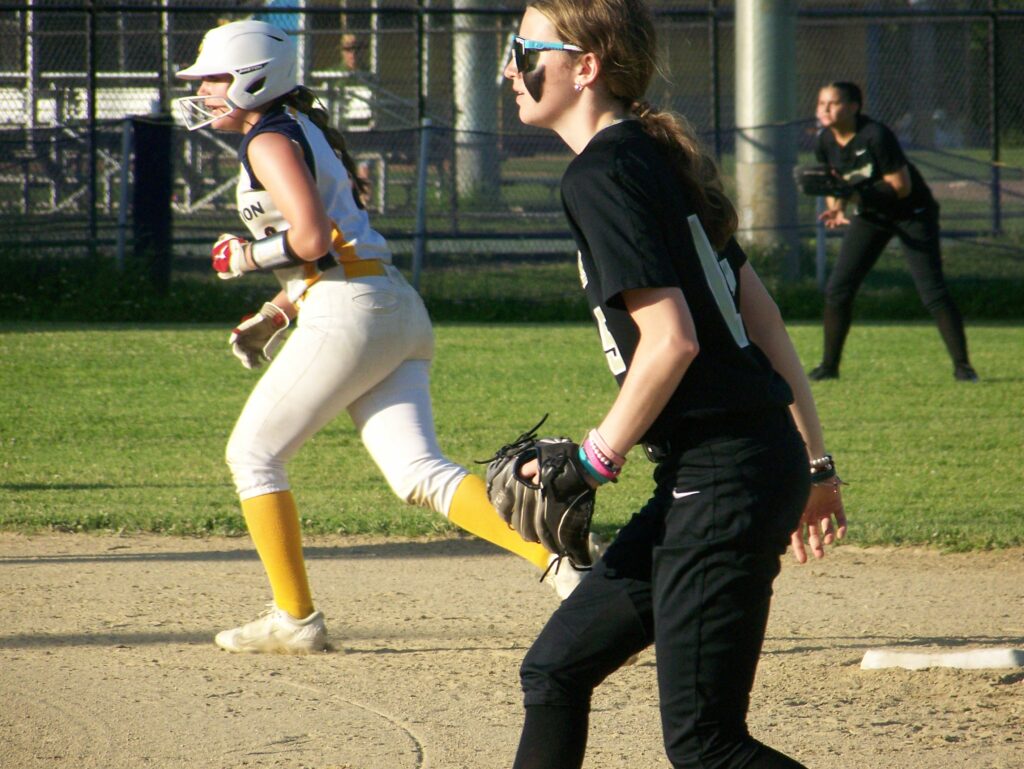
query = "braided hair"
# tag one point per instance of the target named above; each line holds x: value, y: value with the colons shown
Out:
x: 306, y: 102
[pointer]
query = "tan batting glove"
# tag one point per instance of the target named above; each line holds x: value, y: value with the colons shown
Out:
x: 258, y: 337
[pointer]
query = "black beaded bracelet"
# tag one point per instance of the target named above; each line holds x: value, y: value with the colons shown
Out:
x: 823, y: 469
x: 823, y: 461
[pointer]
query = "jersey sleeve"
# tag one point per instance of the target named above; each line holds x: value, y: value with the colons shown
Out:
x: 616, y: 215
x: 887, y: 151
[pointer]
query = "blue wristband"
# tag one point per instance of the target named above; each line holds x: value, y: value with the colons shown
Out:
x: 594, y: 473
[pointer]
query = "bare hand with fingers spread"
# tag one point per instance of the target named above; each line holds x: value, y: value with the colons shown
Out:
x: 823, y: 521
x: 833, y: 218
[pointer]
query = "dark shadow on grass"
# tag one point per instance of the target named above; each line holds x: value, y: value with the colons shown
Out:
x: 122, y: 553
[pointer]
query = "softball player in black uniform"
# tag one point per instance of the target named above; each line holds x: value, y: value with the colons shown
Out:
x: 891, y: 200
x: 709, y: 382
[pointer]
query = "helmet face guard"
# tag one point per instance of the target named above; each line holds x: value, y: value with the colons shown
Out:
x: 197, y: 112
x: 260, y: 58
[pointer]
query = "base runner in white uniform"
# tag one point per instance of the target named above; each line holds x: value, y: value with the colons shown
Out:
x: 362, y: 339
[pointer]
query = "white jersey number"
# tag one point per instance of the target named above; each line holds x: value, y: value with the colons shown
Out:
x: 611, y: 350
x: 720, y: 280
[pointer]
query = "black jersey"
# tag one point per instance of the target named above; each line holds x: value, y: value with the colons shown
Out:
x: 635, y: 228
x: 873, y: 152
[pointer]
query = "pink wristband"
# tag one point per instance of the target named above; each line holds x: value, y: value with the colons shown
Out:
x: 596, y: 463
x: 607, y: 451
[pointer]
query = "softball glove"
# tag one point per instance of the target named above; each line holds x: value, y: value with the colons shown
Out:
x: 556, y: 512
x: 821, y: 181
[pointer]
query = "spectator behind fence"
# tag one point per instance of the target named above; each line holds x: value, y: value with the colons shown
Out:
x: 885, y: 196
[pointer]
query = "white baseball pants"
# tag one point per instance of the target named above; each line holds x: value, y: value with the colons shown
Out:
x: 364, y: 345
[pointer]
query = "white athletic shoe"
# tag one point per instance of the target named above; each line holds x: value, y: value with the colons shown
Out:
x: 278, y: 631
x: 564, y: 577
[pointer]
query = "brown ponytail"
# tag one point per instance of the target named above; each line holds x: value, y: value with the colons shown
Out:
x: 621, y: 34
x: 696, y: 169
x: 305, y: 101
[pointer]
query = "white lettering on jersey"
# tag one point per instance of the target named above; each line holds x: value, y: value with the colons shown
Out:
x: 611, y: 350
x: 720, y: 280
x: 583, y: 272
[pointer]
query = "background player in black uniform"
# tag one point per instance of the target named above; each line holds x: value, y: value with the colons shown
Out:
x: 891, y: 199
x: 709, y: 381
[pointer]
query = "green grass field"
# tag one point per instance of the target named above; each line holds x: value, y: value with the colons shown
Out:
x: 106, y: 428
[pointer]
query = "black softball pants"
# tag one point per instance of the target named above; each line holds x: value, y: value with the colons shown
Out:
x: 864, y: 241
x: 691, y: 573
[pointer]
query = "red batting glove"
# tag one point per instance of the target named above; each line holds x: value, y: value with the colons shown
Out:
x: 228, y: 255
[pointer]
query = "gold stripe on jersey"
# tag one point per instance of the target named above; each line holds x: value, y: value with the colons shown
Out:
x: 349, y: 260
x: 343, y: 249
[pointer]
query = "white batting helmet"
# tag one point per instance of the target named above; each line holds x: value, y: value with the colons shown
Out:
x: 260, y: 58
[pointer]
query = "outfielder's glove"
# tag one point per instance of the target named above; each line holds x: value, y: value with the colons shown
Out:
x: 821, y: 181
x: 258, y: 336
x: 557, y: 511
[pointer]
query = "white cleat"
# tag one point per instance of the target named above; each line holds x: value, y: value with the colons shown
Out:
x: 564, y: 577
x: 276, y: 631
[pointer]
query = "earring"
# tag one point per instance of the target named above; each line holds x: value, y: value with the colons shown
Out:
x: 577, y: 87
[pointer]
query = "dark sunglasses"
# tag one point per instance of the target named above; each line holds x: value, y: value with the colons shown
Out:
x: 524, y: 52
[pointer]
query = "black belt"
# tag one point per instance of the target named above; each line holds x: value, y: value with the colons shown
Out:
x: 690, y: 433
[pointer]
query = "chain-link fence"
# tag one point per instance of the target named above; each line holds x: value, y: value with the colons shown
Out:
x: 417, y: 89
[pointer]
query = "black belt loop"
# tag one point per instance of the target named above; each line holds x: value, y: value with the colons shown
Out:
x: 657, y: 453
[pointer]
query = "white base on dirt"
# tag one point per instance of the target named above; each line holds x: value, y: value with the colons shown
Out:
x: 974, y: 659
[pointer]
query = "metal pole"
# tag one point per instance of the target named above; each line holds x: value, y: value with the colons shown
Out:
x: 122, y: 212
x: 476, y: 102
x: 420, y: 235
x: 301, y: 41
x: 375, y: 38
x: 766, y: 138
x: 716, y: 107
x: 994, y: 123
x: 90, y: 100
x: 422, y: 83
x: 820, y: 251
x: 31, y: 77
x: 166, y: 65
x: 923, y: 95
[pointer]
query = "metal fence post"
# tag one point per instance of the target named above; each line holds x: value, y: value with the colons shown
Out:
x: 422, y: 51
x: 420, y: 235
x: 122, y: 211
x: 820, y: 252
x: 90, y: 111
x: 765, y: 139
x: 716, y: 108
x: 994, y: 127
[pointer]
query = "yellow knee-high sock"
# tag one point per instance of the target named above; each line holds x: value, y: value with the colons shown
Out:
x: 273, y: 522
x: 472, y: 510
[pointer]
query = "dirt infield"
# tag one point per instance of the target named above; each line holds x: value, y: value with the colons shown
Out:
x: 106, y: 660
